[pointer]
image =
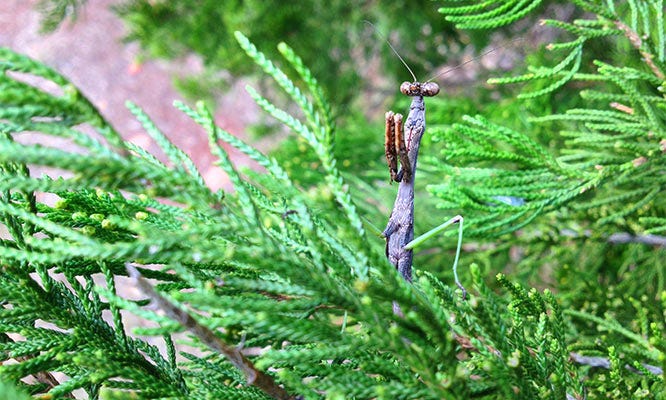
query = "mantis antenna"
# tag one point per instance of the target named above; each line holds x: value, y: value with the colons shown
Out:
x: 443, y: 72
x: 475, y: 58
x: 392, y: 48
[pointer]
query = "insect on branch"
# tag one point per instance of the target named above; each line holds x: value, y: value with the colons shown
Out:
x: 402, y: 143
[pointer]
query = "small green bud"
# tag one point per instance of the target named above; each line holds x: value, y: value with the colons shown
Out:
x: 70, y: 91
x: 140, y: 215
x: 445, y: 381
x: 473, y: 301
x: 462, y: 371
x: 229, y: 251
x: 97, y: 217
x: 514, y: 359
x: 326, y: 193
x: 79, y: 216
x: 360, y: 285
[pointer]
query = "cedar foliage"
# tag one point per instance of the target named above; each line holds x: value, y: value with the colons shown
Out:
x: 206, y: 28
x: 295, y: 278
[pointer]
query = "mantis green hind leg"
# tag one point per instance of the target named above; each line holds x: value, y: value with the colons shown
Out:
x: 431, y: 233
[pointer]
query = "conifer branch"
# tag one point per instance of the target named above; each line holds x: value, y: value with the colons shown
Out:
x: 280, y: 267
x: 637, y: 42
x: 253, y: 376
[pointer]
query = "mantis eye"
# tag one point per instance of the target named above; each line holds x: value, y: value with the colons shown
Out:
x: 429, y: 89
x: 419, y: 89
x: 407, y: 88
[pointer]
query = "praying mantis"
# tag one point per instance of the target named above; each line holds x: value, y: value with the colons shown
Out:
x: 402, y: 145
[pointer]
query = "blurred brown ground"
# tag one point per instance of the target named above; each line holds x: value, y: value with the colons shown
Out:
x: 90, y: 53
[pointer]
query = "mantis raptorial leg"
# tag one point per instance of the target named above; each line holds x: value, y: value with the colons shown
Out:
x: 390, y: 146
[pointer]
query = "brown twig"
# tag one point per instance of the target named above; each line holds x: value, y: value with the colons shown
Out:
x: 46, y: 378
x: 637, y: 42
x: 253, y: 376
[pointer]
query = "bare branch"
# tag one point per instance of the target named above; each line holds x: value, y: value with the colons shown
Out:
x: 621, y: 238
x: 604, y: 362
x: 253, y: 376
x: 624, y: 237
